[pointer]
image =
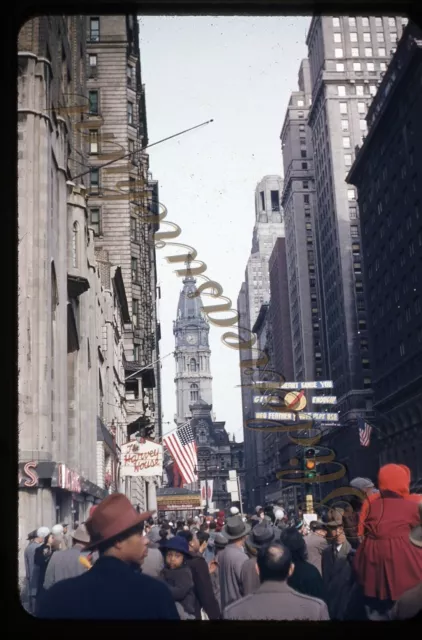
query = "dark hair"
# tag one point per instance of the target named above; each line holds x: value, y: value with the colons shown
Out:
x: 202, y: 536
x: 122, y: 536
x: 203, y: 527
x: 213, y: 525
x: 190, y: 522
x: 150, y: 521
x: 179, y: 525
x: 317, y: 526
x: 163, y: 533
x: 295, y: 542
x: 188, y: 535
x: 274, y: 562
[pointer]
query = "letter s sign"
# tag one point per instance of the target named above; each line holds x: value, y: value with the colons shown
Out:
x: 31, y: 473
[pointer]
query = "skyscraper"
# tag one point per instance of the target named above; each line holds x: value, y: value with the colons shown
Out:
x: 298, y: 202
x: 255, y: 292
x: 347, y: 56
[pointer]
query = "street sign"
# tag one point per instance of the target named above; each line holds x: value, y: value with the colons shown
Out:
x: 231, y: 486
x: 315, y: 384
x: 324, y: 400
x: 233, y: 474
x: 234, y: 496
x: 281, y: 415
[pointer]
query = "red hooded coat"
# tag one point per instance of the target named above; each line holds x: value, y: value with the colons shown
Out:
x: 386, y: 563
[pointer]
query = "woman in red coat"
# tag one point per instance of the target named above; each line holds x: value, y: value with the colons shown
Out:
x: 386, y: 563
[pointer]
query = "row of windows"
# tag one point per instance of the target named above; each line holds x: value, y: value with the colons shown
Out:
x: 358, y: 66
x: 354, y: 52
x: 352, y: 21
x: 366, y: 37
x: 344, y: 108
x: 93, y: 99
x: 356, y: 90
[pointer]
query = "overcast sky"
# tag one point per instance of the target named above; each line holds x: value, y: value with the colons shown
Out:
x: 239, y: 71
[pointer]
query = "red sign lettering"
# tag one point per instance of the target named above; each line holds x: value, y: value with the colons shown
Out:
x: 29, y: 470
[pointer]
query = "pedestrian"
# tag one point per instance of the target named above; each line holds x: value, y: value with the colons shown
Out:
x: 220, y: 543
x: 369, y: 493
x: 203, y: 539
x: 409, y: 605
x: 220, y: 521
x: 204, y: 593
x: 42, y: 557
x: 67, y: 536
x: 337, y: 572
x: 153, y: 564
x: 234, y: 511
x: 31, y: 569
x: 232, y: 560
x: 305, y: 578
x: 178, y: 576
x: 69, y: 563
x: 275, y: 600
x: 386, y: 563
x: 111, y: 590
x: 316, y: 543
x: 262, y: 534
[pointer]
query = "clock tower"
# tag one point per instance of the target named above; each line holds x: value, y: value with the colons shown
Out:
x: 192, y: 353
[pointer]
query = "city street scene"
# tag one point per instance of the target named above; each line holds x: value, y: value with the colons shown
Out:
x: 220, y: 318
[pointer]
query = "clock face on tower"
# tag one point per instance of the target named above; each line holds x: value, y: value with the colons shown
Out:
x: 191, y: 338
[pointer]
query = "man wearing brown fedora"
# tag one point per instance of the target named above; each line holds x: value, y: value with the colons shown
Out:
x: 111, y: 589
x: 232, y: 560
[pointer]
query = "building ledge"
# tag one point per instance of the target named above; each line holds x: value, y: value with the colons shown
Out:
x: 76, y: 285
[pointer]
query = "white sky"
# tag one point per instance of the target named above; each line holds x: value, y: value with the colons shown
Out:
x: 239, y: 71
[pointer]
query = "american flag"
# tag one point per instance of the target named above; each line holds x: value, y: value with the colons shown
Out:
x: 182, y: 447
x: 365, y: 431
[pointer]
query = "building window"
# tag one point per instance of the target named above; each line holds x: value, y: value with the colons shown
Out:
x: 305, y: 184
x: 262, y: 195
x: 93, y: 141
x: 135, y: 312
x: 357, y: 66
x: 275, y: 201
x: 367, y: 37
x: 348, y: 160
x: 304, y: 165
x: 343, y: 108
x: 353, y: 37
x: 344, y: 125
x: 192, y: 365
x: 92, y: 60
x: 93, y: 103
x: 346, y: 143
x: 337, y: 37
x: 356, y: 249
x: 130, y: 112
x: 300, y: 114
x: 380, y: 36
x: 353, y: 213
x: 392, y: 23
x: 301, y: 127
x: 136, y: 353
x: 365, y: 22
x: 372, y: 89
x: 94, y: 180
x: 359, y: 286
x: 363, y: 125
x: 359, y: 90
x: 355, y: 233
x: 306, y: 198
x: 303, y: 153
x: 378, y: 22
x: 383, y: 66
x: 355, y: 52
x: 75, y: 245
x: 402, y: 349
x: 134, y: 229
x: 341, y: 90
x: 370, y: 66
x: 300, y: 103
x: 134, y: 268
x: 94, y: 29
x: 362, y: 325
x: 95, y: 220
x: 381, y: 52
x: 308, y: 226
x: 336, y: 22
x: 361, y: 107
x: 340, y: 66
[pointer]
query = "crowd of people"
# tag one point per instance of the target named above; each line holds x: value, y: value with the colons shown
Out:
x: 359, y: 560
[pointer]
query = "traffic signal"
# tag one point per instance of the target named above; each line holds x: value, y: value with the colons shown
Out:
x: 310, y: 463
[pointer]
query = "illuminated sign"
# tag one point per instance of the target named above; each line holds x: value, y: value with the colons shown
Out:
x: 324, y: 400
x: 28, y: 477
x: 278, y: 415
x: 316, y: 384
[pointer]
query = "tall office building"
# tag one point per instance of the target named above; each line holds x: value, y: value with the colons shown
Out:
x: 299, y: 201
x: 255, y: 291
x: 388, y: 175
x: 347, y: 56
x: 122, y: 201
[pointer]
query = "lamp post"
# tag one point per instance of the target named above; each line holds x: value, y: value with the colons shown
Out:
x: 204, y: 455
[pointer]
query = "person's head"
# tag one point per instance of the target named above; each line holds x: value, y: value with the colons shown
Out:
x: 163, y: 533
x: 116, y: 529
x: 57, y: 542
x: 295, y: 542
x: 393, y: 478
x: 336, y: 532
x: 236, y: 531
x: 202, y: 538
x: 179, y: 525
x: 213, y: 525
x: 80, y: 536
x: 176, y: 550
x: 57, y: 530
x: 274, y: 563
x: 190, y: 522
x: 191, y: 539
x: 220, y: 543
x: 319, y: 528
x: 363, y: 484
x: 42, y: 533
x: 48, y: 540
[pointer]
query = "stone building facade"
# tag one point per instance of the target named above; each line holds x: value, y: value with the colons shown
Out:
x: 123, y: 208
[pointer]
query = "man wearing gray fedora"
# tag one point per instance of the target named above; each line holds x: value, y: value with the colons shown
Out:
x: 261, y: 535
x: 232, y: 560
